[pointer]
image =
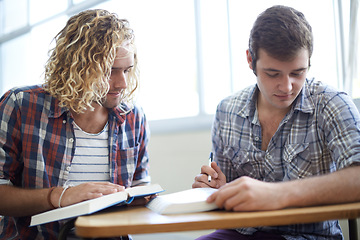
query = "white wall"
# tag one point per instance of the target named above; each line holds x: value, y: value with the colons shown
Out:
x: 175, y: 159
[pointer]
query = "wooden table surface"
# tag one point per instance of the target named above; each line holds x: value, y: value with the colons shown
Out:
x: 139, y: 220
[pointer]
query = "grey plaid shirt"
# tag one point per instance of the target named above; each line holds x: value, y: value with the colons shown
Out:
x: 319, y: 135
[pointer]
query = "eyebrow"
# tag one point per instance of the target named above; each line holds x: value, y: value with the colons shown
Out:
x: 275, y: 70
x: 122, y: 68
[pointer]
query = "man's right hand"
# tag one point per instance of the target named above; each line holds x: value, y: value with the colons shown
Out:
x: 83, y: 192
x: 218, y: 178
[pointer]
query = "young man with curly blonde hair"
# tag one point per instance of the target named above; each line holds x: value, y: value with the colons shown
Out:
x: 78, y: 129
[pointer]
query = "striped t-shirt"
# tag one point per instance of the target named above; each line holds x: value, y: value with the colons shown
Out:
x: 91, y: 159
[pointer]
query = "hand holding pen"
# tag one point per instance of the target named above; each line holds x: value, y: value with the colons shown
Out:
x: 210, y: 176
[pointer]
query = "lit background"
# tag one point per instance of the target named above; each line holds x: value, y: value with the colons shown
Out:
x: 191, y: 52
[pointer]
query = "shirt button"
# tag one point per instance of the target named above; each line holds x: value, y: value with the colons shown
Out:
x: 268, y: 157
x: 257, y: 138
x: 64, y: 121
x: 71, y: 140
x: 68, y: 168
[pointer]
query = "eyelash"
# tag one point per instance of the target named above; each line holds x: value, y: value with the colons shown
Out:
x: 272, y: 75
x: 125, y: 71
x: 277, y: 74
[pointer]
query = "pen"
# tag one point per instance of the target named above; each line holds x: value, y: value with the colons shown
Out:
x: 210, y: 160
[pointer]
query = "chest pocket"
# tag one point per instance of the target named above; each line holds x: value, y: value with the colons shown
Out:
x: 128, y: 162
x: 246, y: 162
x: 297, y: 161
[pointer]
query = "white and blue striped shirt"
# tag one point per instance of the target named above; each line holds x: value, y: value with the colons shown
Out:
x: 91, y: 158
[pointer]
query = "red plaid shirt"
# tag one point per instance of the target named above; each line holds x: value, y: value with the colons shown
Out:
x: 37, y: 145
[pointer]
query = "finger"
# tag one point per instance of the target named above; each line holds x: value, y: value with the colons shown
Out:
x: 103, y: 187
x: 90, y: 190
x: 205, y: 169
x: 234, y: 202
x: 219, y: 200
x: 202, y: 180
x: 92, y: 195
x: 242, y: 207
x: 201, y: 184
x: 224, y: 194
x: 217, y: 170
x: 109, y: 185
x: 209, y: 171
x: 72, y: 195
x: 212, y: 197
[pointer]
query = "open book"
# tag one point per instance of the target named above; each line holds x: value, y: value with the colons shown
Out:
x: 192, y: 200
x: 94, y: 205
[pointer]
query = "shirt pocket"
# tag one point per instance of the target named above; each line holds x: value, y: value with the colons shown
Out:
x: 297, y: 160
x: 246, y: 162
x: 127, y: 165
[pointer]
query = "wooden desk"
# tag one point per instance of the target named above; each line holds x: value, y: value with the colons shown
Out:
x: 140, y: 220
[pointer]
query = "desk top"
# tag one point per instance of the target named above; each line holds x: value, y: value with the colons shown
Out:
x: 139, y: 220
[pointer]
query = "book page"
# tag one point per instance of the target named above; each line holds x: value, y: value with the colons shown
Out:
x: 192, y: 200
x: 145, y: 190
x: 189, y: 196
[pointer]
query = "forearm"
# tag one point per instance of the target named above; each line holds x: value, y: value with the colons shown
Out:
x: 20, y: 202
x: 338, y: 187
x: 24, y: 202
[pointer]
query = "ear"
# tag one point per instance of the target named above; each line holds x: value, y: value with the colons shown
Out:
x: 249, y: 59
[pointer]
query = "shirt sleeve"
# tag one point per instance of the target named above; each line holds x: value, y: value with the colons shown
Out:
x: 10, y: 140
x: 141, y: 174
x: 341, y: 121
x: 223, y: 153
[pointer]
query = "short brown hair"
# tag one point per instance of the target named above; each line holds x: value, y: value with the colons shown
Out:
x: 281, y: 31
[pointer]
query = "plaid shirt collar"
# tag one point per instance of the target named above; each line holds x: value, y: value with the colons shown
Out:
x: 303, y: 102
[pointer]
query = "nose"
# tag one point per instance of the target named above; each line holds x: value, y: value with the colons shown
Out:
x: 118, y: 80
x: 285, y: 84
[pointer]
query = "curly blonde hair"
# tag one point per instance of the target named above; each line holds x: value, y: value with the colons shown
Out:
x: 79, y: 68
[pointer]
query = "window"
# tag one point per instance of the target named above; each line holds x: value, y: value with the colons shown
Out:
x: 243, y: 15
x: 167, y: 56
x: 191, y: 52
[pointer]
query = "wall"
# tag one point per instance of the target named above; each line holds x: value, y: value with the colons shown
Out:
x: 175, y: 159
